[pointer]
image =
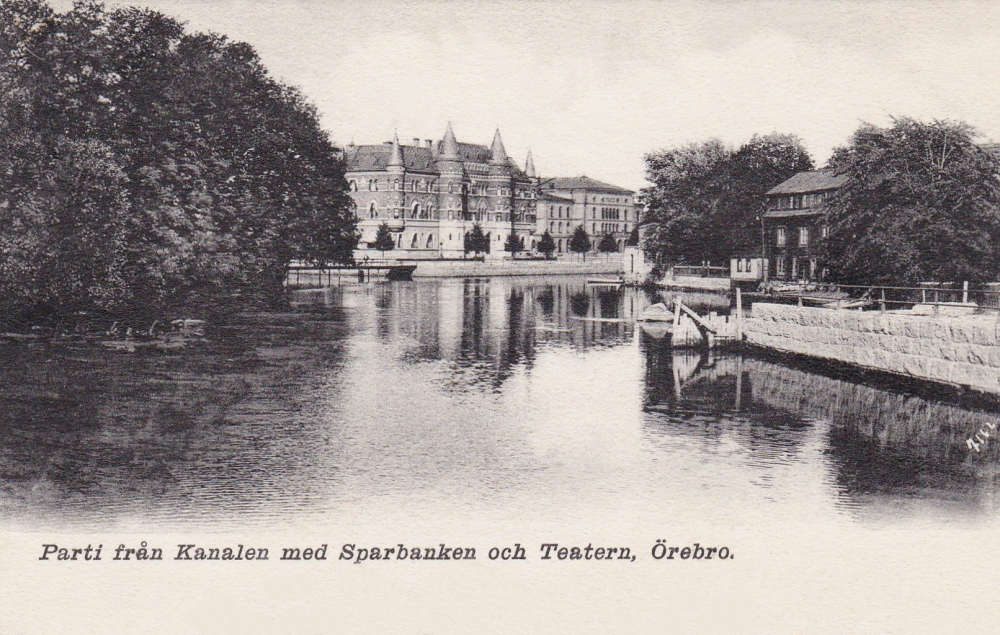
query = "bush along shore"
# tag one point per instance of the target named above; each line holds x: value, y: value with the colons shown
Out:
x: 149, y: 173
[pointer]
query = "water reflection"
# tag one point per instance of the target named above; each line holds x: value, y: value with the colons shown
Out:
x: 504, y: 399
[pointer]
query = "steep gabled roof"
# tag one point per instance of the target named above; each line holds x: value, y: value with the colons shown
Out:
x: 376, y: 158
x: 583, y: 183
x: 805, y: 182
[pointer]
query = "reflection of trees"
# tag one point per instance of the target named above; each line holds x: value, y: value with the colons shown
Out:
x: 93, y: 433
x: 579, y: 303
x: 545, y: 300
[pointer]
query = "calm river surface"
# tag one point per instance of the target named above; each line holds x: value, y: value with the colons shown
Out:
x: 511, y: 401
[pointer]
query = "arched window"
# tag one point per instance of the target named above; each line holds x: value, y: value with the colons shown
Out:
x: 413, y: 243
x: 415, y: 211
x: 395, y: 184
x: 399, y: 241
x: 352, y: 185
x: 430, y: 240
x: 372, y: 210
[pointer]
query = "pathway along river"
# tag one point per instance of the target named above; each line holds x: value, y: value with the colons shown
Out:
x: 506, y: 403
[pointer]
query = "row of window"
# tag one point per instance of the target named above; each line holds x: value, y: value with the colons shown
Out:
x: 781, y: 236
x: 428, y: 186
x: 797, y: 267
x: 798, y: 201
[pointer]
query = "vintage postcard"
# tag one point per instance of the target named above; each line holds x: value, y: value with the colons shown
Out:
x: 452, y: 317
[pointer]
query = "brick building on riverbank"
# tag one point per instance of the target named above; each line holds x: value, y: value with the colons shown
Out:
x: 795, y: 224
x: 431, y: 193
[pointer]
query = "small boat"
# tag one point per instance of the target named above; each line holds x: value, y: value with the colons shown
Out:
x: 656, y: 313
x: 605, y: 282
x: 859, y: 303
x: 657, y: 330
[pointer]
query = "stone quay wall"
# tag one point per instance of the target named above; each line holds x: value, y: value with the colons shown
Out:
x: 963, y: 351
x: 465, y: 268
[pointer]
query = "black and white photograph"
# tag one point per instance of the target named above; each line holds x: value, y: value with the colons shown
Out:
x: 435, y: 317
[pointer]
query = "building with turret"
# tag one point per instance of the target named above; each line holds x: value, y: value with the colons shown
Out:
x: 432, y: 193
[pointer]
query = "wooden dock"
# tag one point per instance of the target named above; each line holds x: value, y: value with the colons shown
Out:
x: 712, y: 330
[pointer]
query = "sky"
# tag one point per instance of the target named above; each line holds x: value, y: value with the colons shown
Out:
x: 591, y: 87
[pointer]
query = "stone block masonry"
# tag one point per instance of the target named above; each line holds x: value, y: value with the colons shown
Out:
x: 961, y: 351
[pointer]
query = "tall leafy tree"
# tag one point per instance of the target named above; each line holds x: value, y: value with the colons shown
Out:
x: 706, y: 198
x: 546, y: 245
x: 579, y: 242
x: 608, y: 244
x: 383, y: 239
x: 513, y: 244
x: 146, y: 166
x: 921, y: 203
x: 476, y: 241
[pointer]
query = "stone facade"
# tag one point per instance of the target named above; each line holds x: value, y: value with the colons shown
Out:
x: 958, y: 351
x: 600, y: 207
x: 431, y: 193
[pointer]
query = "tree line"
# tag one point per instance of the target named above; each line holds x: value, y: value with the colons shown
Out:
x: 144, y: 168
x: 921, y: 202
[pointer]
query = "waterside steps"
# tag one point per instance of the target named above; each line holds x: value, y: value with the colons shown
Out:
x: 712, y: 330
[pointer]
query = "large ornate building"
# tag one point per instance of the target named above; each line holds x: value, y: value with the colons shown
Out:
x: 430, y: 194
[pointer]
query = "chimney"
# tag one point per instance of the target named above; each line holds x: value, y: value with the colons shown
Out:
x: 430, y: 143
x: 416, y: 142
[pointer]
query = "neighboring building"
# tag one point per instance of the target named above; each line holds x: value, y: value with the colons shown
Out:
x: 554, y: 215
x: 432, y: 193
x: 795, y: 223
x: 600, y: 207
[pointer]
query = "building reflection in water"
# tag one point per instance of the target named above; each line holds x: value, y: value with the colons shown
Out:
x: 519, y: 397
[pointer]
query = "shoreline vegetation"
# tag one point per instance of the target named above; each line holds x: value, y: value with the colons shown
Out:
x: 149, y: 173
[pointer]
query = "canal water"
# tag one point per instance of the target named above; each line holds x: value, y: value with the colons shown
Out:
x: 519, y: 403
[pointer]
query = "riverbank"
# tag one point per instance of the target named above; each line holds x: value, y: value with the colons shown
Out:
x: 505, y: 267
x: 956, y: 351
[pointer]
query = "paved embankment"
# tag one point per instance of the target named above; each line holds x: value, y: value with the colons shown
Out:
x: 459, y: 268
x: 962, y: 351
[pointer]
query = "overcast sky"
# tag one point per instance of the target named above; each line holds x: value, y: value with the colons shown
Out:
x: 591, y: 86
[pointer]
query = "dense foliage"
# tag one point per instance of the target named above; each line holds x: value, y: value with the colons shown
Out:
x: 706, y: 199
x: 476, y: 241
x: 383, y: 239
x: 546, y: 245
x: 921, y: 203
x: 608, y: 244
x: 579, y: 242
x: 143, y: 167
x: 513, y: 244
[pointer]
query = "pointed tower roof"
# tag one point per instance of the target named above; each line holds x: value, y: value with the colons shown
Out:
x: 497, y: 153
x: 529, y: 166
x: 396, y: 159
x: 449, y: 145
